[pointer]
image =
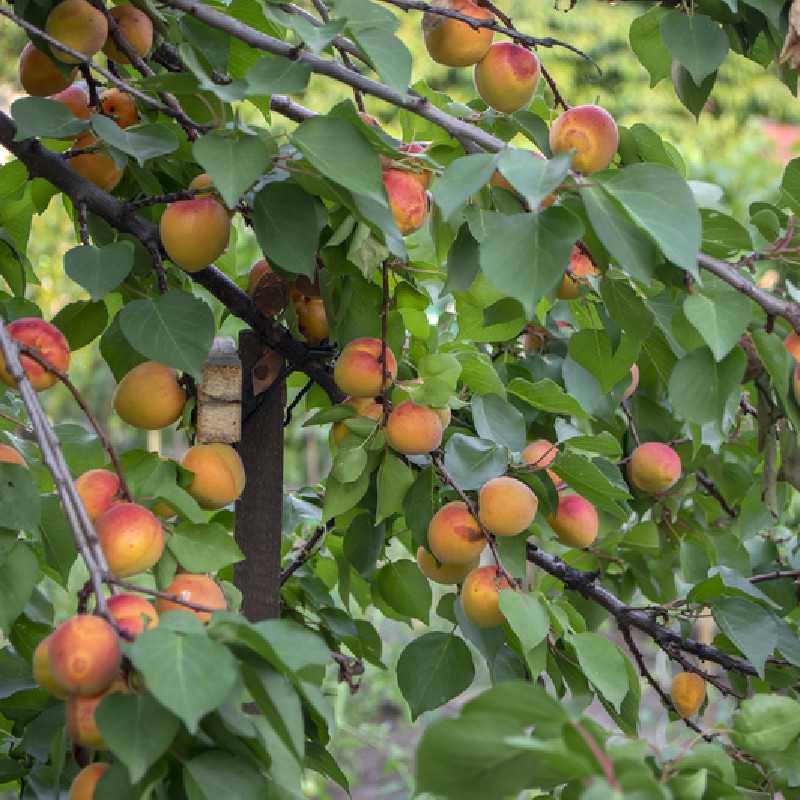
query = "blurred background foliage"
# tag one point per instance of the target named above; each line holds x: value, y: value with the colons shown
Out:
x: 730, y: 146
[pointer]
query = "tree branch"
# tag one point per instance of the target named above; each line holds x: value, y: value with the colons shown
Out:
x: 304, y: 554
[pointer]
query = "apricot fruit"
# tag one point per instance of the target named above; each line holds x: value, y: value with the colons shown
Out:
x: 654, y: 467
x: 364, y: 407
x: 218, y: 474
x: 195, y: 232
x: 199, y: 589
x: 359, y: 372
x: 42, y: 672
x: 132, y: 613
x: 368, y: 119
x: 480, y: 597
x: 688, y: 692
x: 311, y: 320
x: 136, y: 27
x: 769, y: 280
x: 257, y: 272
x: 408, y: 200
x: 98, y: 489
x: 84, y: 655
x: 445, y: 415
x: 633, y: 385
x: 792, y: 344
x: 535, y: 337
x: 51, y: 344
x: 131, y: 537
x: 506, y: 506
x: 39, y: 75
x: 79, y: 714
x: 446, y: 574
x: 76, y: 100
x: 78, y: 25
x: 413, y: 429
x: 423, y: 176
x: 120, y: 107
x: 507, y: 76
x: 591, y: 132
x: 150, y: 397
x: 454, y: 43
x: 97, y: 167
x: 11, y: 455
x: 540, y: 454
x: 575, y: 522
x: 454, y: 535
x: 86, y: 781
x: 580, y: 267
x: 796, y: 382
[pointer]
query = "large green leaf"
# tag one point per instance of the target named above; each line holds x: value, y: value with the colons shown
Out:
x: 20, y: 505
x: 472, y: 461
x: 645, y: 40
x: 395, y: 478
x: 534, y: 178
x: 18, y: 573
x: 603, y: 664
x: 749, y: 626
x: 99, y: 269
x: 204, y: 548
x: 547, y: 396
x: 405, y: 589
x: 498, y: 421
x: 41, y: 116
x: 463, y: 177
x: 143, y: 142
x: 766, y: 723
x: 697, y: 41
x: 217, y: 773
x: 175, y: 329
x: 720, y: 314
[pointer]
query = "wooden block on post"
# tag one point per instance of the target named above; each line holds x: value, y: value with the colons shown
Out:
x: 219, y: 395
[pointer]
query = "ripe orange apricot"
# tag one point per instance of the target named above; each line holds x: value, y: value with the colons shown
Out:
x: 76, y: 100
x: 454, y: 535
x: 688, y: 692
x: 257, y: 272
x: 575, y: 521
x: 50, y: 343
x: 442, y: 573
x: 654, y: 467
x: 84, y: 655
x: 364, y: 407
x: 132, y: 613
x: 792, y: 344
x: 79, y: 25
x: 634, y: 384
x: 413, y: 429
x: 534, y: 338
x: 149, y: 396
x: 131, y: 537
x: 97, y: 167
x: 769, y: 280
x: 136, y: 27
x: 311, y: 320
x: 591, y: 132
x: 414, y: 149
x: 454, y: 43
x: 11, y: 455
x: 218, y: 474
x: 199, y: 589
x: 98, y: 490
x: 581, y: 267
x: 506, y: 506
x: 507, y: 76
x: 408, y: 201
x: 195, y: 232
x: 480, y: 597
x: 39, y: 75
x: 42, y: 672
x: 539, y: 454
x: 120, y: 106
x: 86, y: 781
x: 359, y: 372
x: 79, y: 713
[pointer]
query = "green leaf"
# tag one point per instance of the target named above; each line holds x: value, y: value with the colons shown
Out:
x: 589, y: 480
x: 277, y: 75
x: 58, y: 538
x: 689, y: 93
x: 204, y: 548
x: 143, y: 142
x: 627, y: 308
x: 136, y: 729
x: 434, y: 669
x: 472, y: 461
x: 349, y: 463
x: 395, y: 478
x: 779, y: 365
x: 592, y: 350
x: 699, y: 386
x: 661, y: 203
x: 546, y: 395
x: 40, y: 116
x: 190, y: 675
x: 20, y: 504
x: 534, y: 178
x: 99, y: 269
x: 18, y: 573
x: 498, y: 421
x: 749, y: 626
x: 234, y: 163
x: 405, y: 589
x: 697, y: 41
x: 646, y: 42
x: 176, y: 329
x: 527, y: 618
x: 723, y: 236
x: 463, y: 261
x: 766, y: 723
x: 720, y: 314
x: 342, y: 154
x: 287, y: 222
x: 81, y: 322
x: 341, y: 497
x: 461, y: 179
x: 216, y: 774
x: 603, y: 664
x: 525, y: 255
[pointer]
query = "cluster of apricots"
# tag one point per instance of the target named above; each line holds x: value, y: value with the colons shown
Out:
x: 506, y: 505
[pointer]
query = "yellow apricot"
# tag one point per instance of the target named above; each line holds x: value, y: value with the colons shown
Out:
x: 688, y: 693
x: 195, y: 232
x: 414, y: 429
x: 507, y: 506
x: 591, y: 132
x: 39, y: 75
x: 218, y: 474
x: 452, y: 42
x: 150, y: 397
x: 78, y: 25
x: 507, y: 76
x: 480, y: 597
x: 136, y: 27
x: 454, y: 535
x: 359, y: 372
x: 437, y: 572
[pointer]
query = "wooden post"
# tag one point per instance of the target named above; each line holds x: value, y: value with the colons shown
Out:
x: 259, y: 509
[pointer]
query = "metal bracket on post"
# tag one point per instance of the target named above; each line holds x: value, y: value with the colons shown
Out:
x: 259, y: 511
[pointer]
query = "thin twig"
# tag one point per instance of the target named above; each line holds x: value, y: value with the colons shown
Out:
x: 777, y: 575
x: 712, y: 489
x: 173, y: 598
x: 83, y: 224
x: 304, y: 554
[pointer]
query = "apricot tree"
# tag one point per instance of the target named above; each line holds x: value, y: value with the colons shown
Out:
x: 563, y: 388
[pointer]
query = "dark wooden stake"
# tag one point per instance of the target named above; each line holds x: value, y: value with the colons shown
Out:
x: 259, y: 509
